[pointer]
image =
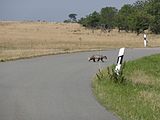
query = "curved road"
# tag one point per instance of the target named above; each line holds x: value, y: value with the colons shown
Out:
x: 55, y: 87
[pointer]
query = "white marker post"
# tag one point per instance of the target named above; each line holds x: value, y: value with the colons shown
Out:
x: 119, y: 60
x: 145, y: 40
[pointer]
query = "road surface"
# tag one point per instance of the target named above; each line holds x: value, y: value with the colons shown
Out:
x: 55, y: 87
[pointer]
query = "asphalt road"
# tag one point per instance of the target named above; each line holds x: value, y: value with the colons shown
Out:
x: 55, y: 87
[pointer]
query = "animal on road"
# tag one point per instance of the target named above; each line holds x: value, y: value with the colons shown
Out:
x: 97, y: 58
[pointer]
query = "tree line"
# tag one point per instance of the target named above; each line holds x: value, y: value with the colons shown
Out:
x: 137, y: 17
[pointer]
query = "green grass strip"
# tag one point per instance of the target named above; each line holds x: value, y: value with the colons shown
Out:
x: 139, y: 97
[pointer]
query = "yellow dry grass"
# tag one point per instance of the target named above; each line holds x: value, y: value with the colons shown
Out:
x: 152, y: 98
x: 26, y: 39
x: 140, y: 77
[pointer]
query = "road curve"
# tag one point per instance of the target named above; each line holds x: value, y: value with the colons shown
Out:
x: 55, y: 87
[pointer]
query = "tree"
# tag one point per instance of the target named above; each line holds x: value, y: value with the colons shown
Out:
x: 123, y: 20
x: 108, y: 16
x: 142, y: 22
x: 91, y: 20
x: 140, y: 16
x: 73, y: 17
x: 137, y: 17
x: 153, y: 8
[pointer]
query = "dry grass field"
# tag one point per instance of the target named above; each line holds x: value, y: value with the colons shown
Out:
x: 28, y: 39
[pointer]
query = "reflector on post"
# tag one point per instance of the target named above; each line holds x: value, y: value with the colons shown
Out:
x: 145, y: 40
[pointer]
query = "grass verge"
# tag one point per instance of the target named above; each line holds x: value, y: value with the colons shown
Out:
x: 139, y: 97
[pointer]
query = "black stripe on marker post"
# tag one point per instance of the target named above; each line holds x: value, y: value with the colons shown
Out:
x: 120, y: 59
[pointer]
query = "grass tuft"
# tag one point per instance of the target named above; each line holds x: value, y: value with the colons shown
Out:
x: 116, y: 77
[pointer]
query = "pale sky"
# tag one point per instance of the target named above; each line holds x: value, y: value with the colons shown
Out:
x: 53, y: 10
